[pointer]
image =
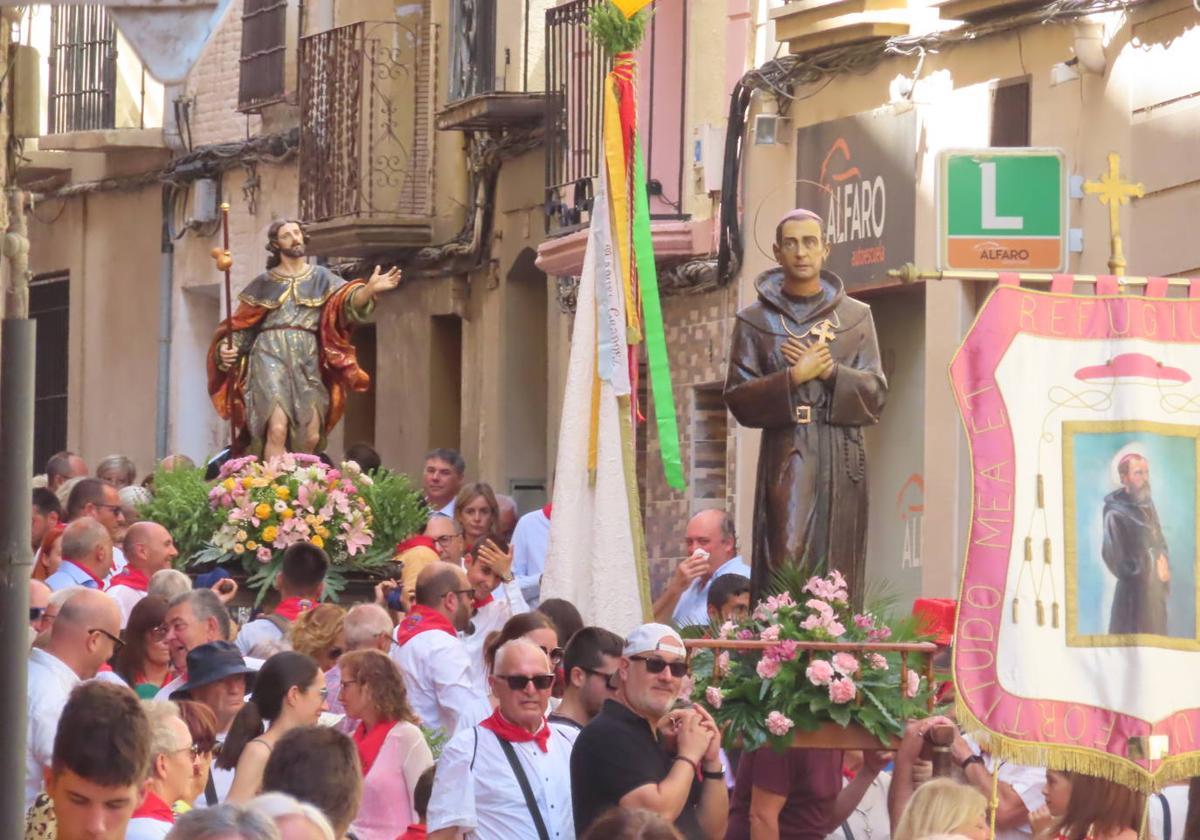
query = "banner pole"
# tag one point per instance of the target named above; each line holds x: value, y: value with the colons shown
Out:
x: 909, y: 273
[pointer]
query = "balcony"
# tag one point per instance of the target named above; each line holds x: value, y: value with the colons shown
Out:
x: 476, y: 100
x: 366, y: 155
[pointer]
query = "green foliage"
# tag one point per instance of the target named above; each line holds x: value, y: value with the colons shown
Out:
x: 436, y: 739
x: 614, y: 32
x: 397, y: 512
x: 180, y: 504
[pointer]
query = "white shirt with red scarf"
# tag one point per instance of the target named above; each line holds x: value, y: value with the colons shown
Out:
x: 152, y: 820
x: 490, y: 617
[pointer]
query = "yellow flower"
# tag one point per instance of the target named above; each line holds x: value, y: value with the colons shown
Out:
x: 247, y: 482
x: 323, y: 532
x: 239, y: 549
x: 262, y: 510
x: 229, y: 484
x: 282, y: 492
x: 241, y: 535
x: 312, y: 519
x: 287, y: 514
x: 317, y: 541
x: 269, y: 533
x: 251, y: 545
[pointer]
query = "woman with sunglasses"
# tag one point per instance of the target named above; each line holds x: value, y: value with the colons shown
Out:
x: 289, y: 693
x: 145, y: 660
x: 391, y: 747
x: 321, y: 634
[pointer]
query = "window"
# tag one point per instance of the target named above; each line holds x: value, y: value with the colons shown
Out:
x: 264, y: 53
x: 83, y: 70
x: 1010, y: 113
x: 49, y: 307
x: 710, y: 443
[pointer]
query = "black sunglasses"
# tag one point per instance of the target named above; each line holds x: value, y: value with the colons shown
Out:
x: 335, y: 653
x: 517, y: 682
x: 117, y: 641
x: 36, y: 613
x: 654, y: 665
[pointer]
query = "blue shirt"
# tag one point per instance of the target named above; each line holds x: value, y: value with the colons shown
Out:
x: 693, y: 603
x: 71, y: 574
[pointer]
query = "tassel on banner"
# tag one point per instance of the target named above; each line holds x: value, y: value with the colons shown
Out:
x: 1041, y: 492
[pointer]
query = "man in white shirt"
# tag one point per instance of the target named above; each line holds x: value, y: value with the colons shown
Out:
x: 489, y: 571
x: 442, y: 478
x: 712, y: 552
x: 477, y: 790
x: 301, y: 583
x: 447, y: 535
x: 531, y: 542
x: 148, y: 548
x: 431, y: 657
x: 171, y: 770
x: 84, y: 636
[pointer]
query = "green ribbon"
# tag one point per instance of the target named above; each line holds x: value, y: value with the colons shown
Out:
x: 656, y: 340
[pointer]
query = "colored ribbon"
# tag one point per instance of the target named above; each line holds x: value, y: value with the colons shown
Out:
x: 656, y: 341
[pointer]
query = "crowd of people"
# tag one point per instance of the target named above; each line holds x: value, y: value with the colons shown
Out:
x: 455, y: 702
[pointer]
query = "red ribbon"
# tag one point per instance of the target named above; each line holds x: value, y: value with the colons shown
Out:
x: 514, y: 734
x: 420, y: 619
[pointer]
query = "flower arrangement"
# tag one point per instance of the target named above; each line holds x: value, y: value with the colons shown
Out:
x: 769, y: 693
x: 262, y: 507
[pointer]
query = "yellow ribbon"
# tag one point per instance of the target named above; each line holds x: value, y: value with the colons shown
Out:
x: 618, y: 194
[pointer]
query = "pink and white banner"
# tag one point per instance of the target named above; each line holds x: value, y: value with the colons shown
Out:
x: 1078, y: 636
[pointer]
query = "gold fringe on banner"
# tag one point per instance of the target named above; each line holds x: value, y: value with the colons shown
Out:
x: 1090, y: 762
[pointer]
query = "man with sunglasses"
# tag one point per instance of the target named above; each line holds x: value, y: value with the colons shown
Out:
x: 87, y: 556
x: 100, y: 500
x: 84, y: 636
x: 431, y: 657
x: 509, y: 777
x: 642, y: 752
x: 172, y: 760
x: 589, y: 671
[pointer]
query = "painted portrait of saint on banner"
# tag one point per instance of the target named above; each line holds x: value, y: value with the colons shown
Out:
x: 1129, y: 523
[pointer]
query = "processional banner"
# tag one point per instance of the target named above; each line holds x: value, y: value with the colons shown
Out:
x: 1077, y: 644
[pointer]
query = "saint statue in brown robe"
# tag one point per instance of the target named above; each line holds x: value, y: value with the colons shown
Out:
x: 804, y: 367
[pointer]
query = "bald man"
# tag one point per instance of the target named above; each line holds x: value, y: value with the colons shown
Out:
x: 39, y: 599
x: 433, y: 660
x: 149, y: 548
x: 712, y: 551
x: 87, y: 555
x: 82, y: 638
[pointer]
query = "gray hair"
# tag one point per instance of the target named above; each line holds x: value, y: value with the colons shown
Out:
x: 450, y: 456
x: 163, y: 738
x: 364, y: 623
x: 224, y: 822
x: 516, y: 644
x: 205, y: 605
x: 118, y: 464
x: 453, y: 520
x: 169, y: 584
x: 82, y: 537
x: 277, y: 806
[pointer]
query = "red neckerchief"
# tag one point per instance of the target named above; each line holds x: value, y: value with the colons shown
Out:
x: 290, y: 608
x: 370, y: 742
x: 546, y: 510
x: 131, y: 577
x: 88, y: 572
x: 416, y: 831
x: 154, y: 808
x: 416, y: 542
x: 509, y: 731
x: 480, y: 603
x: 420, y: 619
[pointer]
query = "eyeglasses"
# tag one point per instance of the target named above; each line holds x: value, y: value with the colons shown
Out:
x: 117, y: 641
x: 555, y: 654
x: 324, y: 692
x: 445, y: 539
x: 517, y: 682
x: 157, y: 634
x: 194, y: 749
x: 605, y: 675
x: 117, y: 510
x: 349, y: 682
x: 36, y: 613
x: 470, y: 592
x: 654, y: 665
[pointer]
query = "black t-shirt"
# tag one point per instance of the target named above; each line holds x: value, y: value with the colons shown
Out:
x: 616, y: 753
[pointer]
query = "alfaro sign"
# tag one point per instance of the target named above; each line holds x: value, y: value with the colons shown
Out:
x: 858, y: 173
x: 1002, y: 210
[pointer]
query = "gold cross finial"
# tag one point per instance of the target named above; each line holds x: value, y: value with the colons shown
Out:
x: 1113, y: 191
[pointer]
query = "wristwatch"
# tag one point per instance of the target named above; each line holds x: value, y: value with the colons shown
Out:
x: 971, y: 759
x: 713, y: 774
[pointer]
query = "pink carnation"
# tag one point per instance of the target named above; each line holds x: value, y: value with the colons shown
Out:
x: 877, y: 661
x: 845, y: 663
x: 778, y: 724
x: 880, y: 634
x: 864, y: 621
x: 263, y: 554
x: 835, y: 628
x: 713, y: 695
x: 723, y: 662
x: 914, y: 684
x: 771, y: 634
x: 745, y: 635
x: 785, y: 651
x: 768, y: 667
x: 811, y: 623
x: 820, y: 672
x: 842, y: 691
x: 726, y: 631
x: 820, y: 606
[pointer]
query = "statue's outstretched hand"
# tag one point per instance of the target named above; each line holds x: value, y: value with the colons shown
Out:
x: 382, y: 281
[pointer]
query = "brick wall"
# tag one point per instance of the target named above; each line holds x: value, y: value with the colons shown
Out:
x: 698, y: 330
x: 213, y: 86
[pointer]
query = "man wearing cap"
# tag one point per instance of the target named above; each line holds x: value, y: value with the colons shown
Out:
x: 640, y: 753
x: 497, y: 598
x: 804, y: 367
x: 432, y: 658
x: 508, y: 778
x: 220, y: 678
